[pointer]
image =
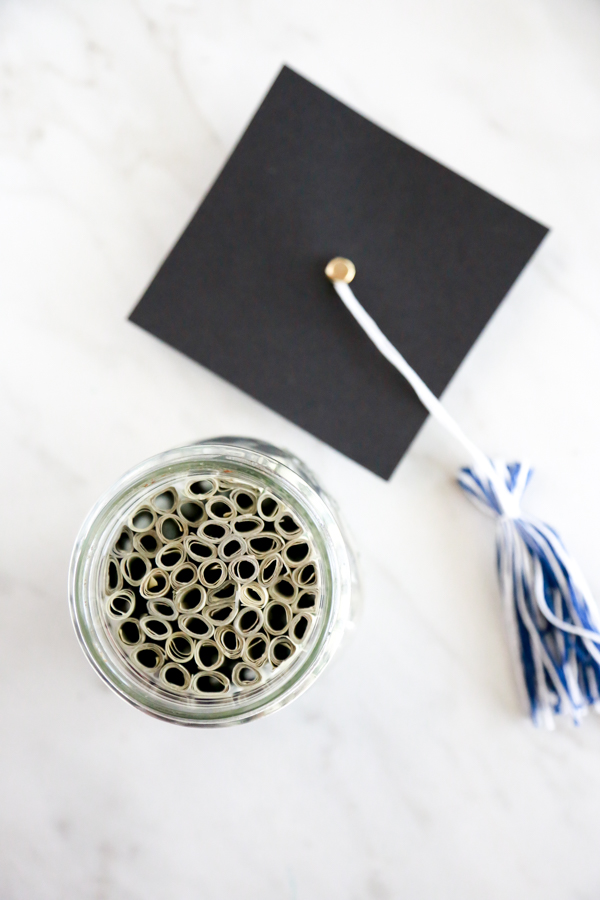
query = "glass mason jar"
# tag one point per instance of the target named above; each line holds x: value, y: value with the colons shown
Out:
x: 270, y: 471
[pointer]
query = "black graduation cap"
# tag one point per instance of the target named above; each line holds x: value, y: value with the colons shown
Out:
x: 243, y: 291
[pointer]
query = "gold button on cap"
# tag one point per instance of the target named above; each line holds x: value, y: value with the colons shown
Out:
x: 340, y: 269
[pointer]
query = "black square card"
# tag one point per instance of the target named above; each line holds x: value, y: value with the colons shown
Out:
x: 243, y: 291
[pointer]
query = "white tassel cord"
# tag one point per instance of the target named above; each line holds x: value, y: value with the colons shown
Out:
x: 552, y: 621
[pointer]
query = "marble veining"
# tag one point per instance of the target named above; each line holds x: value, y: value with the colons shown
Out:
x: 407, y: 770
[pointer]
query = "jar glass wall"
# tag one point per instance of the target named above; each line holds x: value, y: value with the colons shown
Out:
x: 105, y: 587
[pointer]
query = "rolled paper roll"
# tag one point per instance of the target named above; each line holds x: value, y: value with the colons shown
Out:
x: 306, y: 601
x: 296, y: 552
x: 277, y: 617
x: 130, y: 634
x: 220, y: 508
x: 179, y: 647
x: 244, y: 569
x: 170, y: 556
x: 148, y: 657
x: 270, y: 569
x: 174, y: 676
x: 113, y: 579
x: 120, y: 605
x: 155, y: 584
x: 286, y: 525
x: 247, y: 526
x: 148, y: 543
x: 232, y: 547
x: 207, y: 684
x: 190, y: 599
x: 301, y: 627
x: 245, y: 675
x: 254, y: 594
x: 268, y: 507
x: 213, y: 532
x: 265, y: 544
x: 222, y: 614
x: 198, y: 549
x: 196, y: 626
x: 212, y: 573
x: 230, y: 642
x: 244, y: 499
x: 281, y: 650
x: 171, y: 528
x: 219, y: 596
x: 142, y: 519
x: 248, y: 621
x: 164, y: 608
x: 306, y: 575
x: 134, y: 568
x: 124, y: 543
x: 165, y: 501
x: 184, y: 573
x: 201, y: 488
x: 208, y: 655
x: 192, y: 512
x: 256, y: 649
x: 156, y: 629
x: 284, y: 589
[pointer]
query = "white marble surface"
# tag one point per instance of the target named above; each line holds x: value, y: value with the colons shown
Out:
x: 410, y: 775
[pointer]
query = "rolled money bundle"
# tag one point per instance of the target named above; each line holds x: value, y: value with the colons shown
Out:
x: 262, y: 545
x: 114, y: 576
x: 170, y: 555
x: 306, y: 601
x: 124, y: 543
x: 155, y: 584
x: 190, y: 599
x: 220, y: 507
x: 301, y: 627
x: 201, y: 489
x: 196, y: 626
x: 173, y: 675
x: 147, y: 543
x: 212, y: 573
x: 130, y: 633
x: 165, y: 501
x: 192, y: 512
x: 179, y: 647
x: 171, y: 528
x: 281, y: 650
x: 229, y: 640
x: 213, y: 532
x: 164, y: 608
x: 254, y: 595
x: 210, y: 683
x: 134, y: 568
x: 248, y: 621
x: 149, y: 657
x: 277, y: 617
x: 198, y: 549
x: 120, y: 605
x: 256, y: 649
x: 208, y: 655
x: 142, y: 519
x: 244, y: 499
x: 183, y: 574
x: 157, y: 629
x: 245, y: 675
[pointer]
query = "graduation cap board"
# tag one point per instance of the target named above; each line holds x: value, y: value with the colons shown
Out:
x: 243, y: 291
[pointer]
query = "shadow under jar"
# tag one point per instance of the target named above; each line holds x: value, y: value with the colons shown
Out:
x: 195, y: 503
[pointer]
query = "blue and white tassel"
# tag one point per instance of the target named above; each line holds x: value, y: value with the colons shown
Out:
x: 552, y: 622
